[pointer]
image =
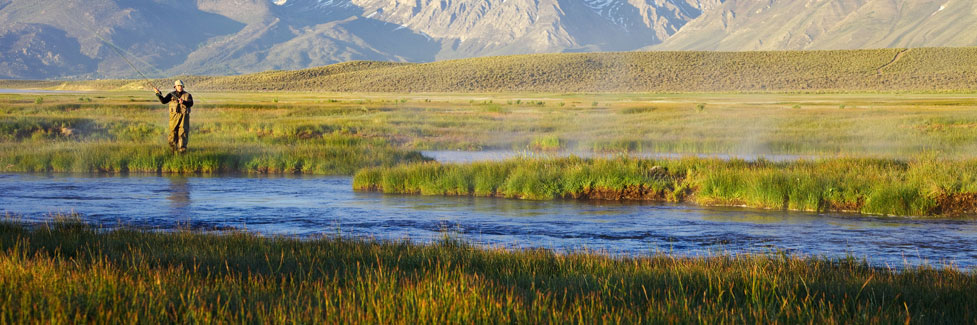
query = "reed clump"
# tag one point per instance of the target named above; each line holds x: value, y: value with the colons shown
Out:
x: 67, y: 272
x: 918, y: 187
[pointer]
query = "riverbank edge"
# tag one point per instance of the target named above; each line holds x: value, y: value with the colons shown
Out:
x: 66, y: 270
x: 129, y: 158
x: 869, y: 186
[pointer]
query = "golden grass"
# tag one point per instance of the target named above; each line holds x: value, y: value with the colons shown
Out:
x: 67, y: 272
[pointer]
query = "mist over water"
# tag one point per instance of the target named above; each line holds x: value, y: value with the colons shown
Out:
x: 314, y: 206
x: 448, y: 156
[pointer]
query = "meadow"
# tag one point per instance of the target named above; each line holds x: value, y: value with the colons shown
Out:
x: 65, y: 271
x: 329, y: 133
x: 116, y: 133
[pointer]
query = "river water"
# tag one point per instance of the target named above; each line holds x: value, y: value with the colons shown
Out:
x: 311, y: 206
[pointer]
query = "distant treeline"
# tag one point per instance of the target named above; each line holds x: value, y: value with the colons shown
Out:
x: 922, y: 69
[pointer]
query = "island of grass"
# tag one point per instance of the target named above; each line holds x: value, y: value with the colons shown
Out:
x: 918, y: 187
x: 69, y: 272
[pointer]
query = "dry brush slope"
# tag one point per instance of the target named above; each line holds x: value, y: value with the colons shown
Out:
x: 926, y: 69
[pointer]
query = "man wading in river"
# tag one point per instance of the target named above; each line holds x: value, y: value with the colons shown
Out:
x: 180, y: 103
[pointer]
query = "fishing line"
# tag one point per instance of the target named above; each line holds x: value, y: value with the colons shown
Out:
x: 119, y: 51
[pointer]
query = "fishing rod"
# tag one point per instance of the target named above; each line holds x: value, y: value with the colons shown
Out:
x: 123, y: 56
x: 117, y: 50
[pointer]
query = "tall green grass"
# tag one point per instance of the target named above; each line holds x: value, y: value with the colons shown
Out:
x: 67, y: 272
x: 920, y: 187
x: 109, y: 157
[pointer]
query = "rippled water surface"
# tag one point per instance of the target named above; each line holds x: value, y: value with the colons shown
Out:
x: 302, y: 206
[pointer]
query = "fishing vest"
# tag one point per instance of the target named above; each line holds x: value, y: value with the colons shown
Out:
x: 175, y: 106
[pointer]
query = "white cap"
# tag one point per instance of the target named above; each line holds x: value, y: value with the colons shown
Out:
x: 178, y: 83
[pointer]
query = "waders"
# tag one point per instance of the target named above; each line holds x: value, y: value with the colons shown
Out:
x: 180, y: 102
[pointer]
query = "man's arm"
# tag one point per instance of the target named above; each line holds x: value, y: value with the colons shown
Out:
x: 163, y: 99
x: 189, y: 102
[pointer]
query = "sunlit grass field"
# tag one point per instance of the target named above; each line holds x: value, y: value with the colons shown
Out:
x: 337, y: 133
x: 119, y: 133
x: 68, y: 272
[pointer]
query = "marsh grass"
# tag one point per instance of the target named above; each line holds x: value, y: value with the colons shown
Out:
x: 920, y: 187
x: 896, y: 126
x: 331, y: 157
x: 65, y: 271
x: 547, y: 143
x: 639, y: 110
x: 117, y: 136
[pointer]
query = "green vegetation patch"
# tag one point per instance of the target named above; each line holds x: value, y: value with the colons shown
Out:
x: 117, y: 136
x: 921, y: 187
x: 333, y: 156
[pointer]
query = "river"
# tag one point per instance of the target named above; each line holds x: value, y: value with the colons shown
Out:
x: 304, y: 206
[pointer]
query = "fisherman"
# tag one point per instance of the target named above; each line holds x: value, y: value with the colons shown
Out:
x: 180, y: 102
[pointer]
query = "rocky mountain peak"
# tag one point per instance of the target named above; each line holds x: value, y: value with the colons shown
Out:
x: 71, y: 38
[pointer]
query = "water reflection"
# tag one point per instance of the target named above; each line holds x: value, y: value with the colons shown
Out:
x: 179, y: 197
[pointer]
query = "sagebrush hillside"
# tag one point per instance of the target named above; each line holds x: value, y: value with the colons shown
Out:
x: 929, y: 69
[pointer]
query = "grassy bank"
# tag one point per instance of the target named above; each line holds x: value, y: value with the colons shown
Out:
x: 67, y: 272
x: 118, y: 133
x: 321, y: 158
x: 919, y: 187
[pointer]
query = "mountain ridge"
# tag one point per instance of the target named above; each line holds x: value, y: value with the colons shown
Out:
x: 63, y: 39
x: 744, y: 25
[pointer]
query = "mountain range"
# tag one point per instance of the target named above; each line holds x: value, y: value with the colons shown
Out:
x: 90, y: 39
